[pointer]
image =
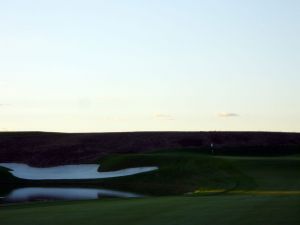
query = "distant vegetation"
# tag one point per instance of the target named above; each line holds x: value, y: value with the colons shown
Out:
x: 50, y: 149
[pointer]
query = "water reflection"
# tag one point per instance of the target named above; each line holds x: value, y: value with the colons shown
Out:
x: 44, y: 193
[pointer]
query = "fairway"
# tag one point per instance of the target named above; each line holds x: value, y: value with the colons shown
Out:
x: 216, y: 210
x: 270, y: 173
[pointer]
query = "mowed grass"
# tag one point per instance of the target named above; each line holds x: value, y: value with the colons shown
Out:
x: 178, y: 174
x: 251, y: 191
x: 215, y: 210
x: 273, y: 174
x: 181, y: 173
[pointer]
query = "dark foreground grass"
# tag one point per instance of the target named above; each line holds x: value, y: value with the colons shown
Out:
x: 214, y: 210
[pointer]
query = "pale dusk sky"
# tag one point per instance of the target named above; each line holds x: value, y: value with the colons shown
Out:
x: 99, y: 66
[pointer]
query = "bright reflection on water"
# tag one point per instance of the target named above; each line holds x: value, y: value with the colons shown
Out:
x: 42, y: 193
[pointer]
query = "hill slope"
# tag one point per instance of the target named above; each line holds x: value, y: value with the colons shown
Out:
x: 45, y: 149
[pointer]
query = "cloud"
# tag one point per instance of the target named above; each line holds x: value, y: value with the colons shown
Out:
x: 227, y: 114
x: 106, y: 99
x: 114, y: 118
x: 163, y: 116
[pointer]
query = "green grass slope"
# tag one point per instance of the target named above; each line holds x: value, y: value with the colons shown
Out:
x: 179, y: 173
x: 270, y: 174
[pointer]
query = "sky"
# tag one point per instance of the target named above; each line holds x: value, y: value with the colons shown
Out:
x: 139, y: 65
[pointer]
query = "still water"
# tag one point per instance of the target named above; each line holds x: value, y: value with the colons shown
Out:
x: 48, y: 193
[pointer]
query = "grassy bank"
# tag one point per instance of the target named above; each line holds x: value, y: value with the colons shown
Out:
x: 178, y: 173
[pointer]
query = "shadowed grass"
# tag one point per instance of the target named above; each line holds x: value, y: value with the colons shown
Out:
x: 216, y: 210
x: 178, y: 173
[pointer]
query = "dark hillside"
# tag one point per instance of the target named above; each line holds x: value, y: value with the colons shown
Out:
x: 45, y: 149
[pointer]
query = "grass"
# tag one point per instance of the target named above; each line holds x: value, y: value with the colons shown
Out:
x: 178, y: 173
x: 222, y: 190
x: 216, y: 210
x: 181, y: 173
x: 270, y: 173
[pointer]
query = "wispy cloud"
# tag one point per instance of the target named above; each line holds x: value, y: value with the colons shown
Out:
x: 105, y: 99
x: 114, y: 118
x: 162, y: 116
x: 227, y: 114
x: 4, y: 105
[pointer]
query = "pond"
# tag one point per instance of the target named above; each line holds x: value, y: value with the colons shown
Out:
x: 65, y: 172
x: 48, y: 193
